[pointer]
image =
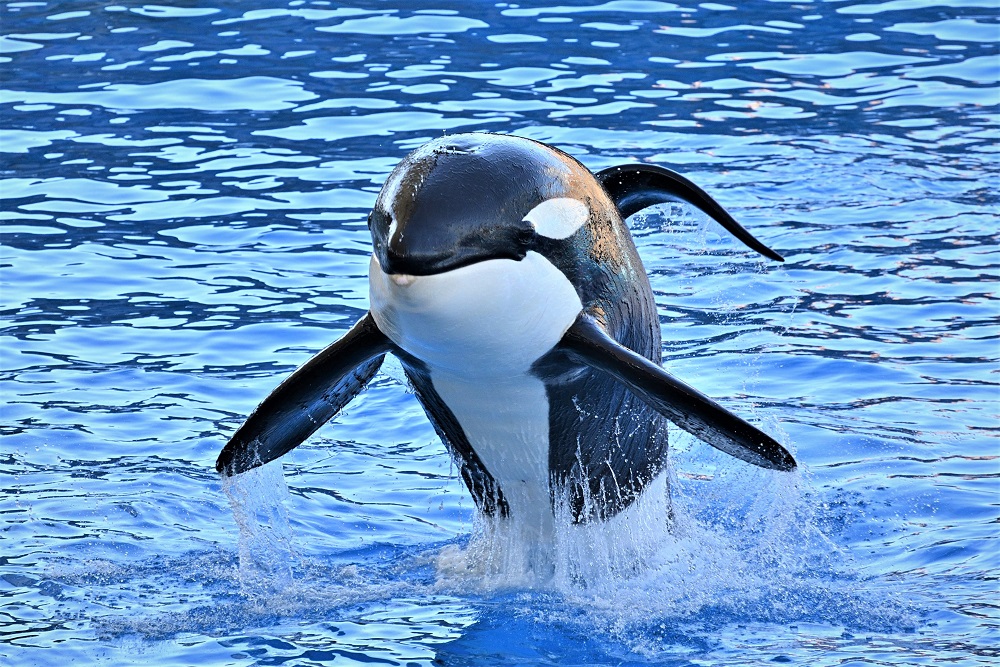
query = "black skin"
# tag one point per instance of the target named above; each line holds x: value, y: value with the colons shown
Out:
x: 461, y: 200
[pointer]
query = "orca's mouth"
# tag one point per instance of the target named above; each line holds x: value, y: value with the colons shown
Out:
x: 407, y: 268
x: 399, y: 256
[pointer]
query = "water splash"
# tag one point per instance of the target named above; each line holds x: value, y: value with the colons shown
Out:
x: 267, y: 583
x: 257, y: 498
x: 739, y: 545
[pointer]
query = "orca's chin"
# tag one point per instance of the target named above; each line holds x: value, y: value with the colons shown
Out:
x: 402, y: 279
x: 498, y: 315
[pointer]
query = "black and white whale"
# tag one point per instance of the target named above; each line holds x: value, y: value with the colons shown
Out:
x: 505, y: 281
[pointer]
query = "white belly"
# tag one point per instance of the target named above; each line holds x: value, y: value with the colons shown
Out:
x: 507, y: 424
x: 479, y: 329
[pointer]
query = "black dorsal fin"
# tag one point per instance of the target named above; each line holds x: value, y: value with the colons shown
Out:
x: 634, y: 187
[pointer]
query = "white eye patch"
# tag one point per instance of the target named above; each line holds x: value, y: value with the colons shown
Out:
x: 558, y: 218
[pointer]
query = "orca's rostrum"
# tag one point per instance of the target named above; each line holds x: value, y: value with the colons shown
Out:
x: 505, y: 281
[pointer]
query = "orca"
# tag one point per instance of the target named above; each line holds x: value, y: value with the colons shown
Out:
x: 505, y: 281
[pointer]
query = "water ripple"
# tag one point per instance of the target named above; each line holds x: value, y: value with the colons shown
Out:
x: 185, y: 190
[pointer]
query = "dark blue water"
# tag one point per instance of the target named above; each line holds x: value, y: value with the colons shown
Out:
x: 185, y: 190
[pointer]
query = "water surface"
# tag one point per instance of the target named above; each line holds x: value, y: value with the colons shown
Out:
x: 185, y: 189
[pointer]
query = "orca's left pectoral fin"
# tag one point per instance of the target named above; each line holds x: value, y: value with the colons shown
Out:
x: 307, y: 399
x: 685, y: 406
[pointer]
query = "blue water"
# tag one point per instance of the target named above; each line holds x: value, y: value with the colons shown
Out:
x: 185, y: 188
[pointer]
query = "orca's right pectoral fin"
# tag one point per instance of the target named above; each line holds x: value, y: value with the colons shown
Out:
x: 685, y: 406
x: 307, y: 399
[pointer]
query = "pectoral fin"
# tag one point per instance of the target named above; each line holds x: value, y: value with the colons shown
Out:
x: 685, y: 406
x: 307, y: 399
x: 633, y: 187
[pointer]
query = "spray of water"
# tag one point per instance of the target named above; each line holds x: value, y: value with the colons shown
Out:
x: 257, y: 498
x: 273, y: 578
x: 707, y: 539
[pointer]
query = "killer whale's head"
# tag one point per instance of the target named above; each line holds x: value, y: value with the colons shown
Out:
x: 481, y: 235
x: 466, y: 198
